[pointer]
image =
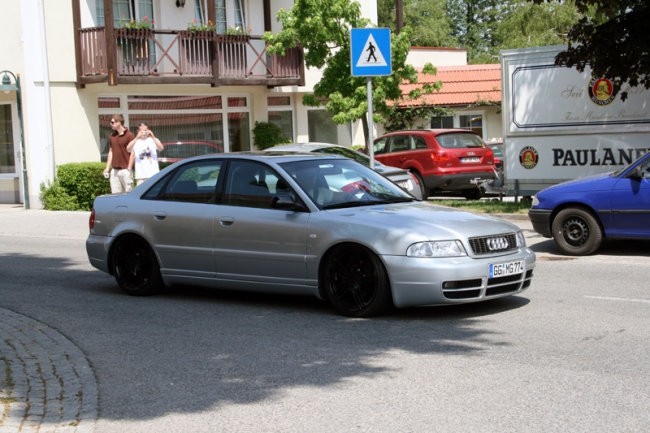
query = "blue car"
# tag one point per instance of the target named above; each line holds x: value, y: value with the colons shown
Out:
x: 581, y: 213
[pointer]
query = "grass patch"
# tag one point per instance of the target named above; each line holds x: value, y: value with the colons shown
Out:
x: 495, y: 206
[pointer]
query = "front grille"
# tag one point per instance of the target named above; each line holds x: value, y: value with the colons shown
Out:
x: 474, y: 288
x: 493, y: 244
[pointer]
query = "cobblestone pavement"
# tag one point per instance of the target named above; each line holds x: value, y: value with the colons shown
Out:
x: 46, y: 383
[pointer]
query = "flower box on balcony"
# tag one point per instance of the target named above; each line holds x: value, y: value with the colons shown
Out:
x: 231, y: 53
x: 134, y: 50
x: 197, y: 51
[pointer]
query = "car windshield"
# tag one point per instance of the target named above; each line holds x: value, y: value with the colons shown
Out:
x: 621, y: 170
x: 339, y: 183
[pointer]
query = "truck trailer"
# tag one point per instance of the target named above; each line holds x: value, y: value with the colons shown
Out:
x: 560, y: 124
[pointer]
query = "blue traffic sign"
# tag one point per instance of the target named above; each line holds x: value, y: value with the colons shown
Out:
x: 370, y: 52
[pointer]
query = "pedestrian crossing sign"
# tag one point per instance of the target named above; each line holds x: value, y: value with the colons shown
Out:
x: 370, y: 52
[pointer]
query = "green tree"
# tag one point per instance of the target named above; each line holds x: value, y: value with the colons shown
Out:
x: 322, y: 28
x: 611, y: 39
x: 526, y: 24
x: 428, y: 20
x: 485, y: 27
x: 473, y: 23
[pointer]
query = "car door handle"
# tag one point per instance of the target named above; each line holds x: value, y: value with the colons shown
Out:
x: 226, y: 221
x: 160, y: 216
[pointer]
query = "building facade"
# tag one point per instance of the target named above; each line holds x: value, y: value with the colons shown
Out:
x: 78, y: 62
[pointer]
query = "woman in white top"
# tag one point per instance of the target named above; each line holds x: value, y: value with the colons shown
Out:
x: 145, y: 147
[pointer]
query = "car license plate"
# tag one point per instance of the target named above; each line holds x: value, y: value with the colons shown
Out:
x: 472, y: 159
x: 504, y: 269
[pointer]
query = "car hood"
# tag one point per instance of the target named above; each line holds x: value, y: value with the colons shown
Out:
x: 418, y: 221
x: 587, y: 183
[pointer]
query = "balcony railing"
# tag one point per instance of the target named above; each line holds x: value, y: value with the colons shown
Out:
x: 150, y: 56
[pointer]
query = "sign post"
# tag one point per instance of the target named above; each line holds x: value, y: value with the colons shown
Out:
x: 370, y: 56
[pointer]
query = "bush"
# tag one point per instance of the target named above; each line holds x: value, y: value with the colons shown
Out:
x: 75, y: 187
x: 266, y: 134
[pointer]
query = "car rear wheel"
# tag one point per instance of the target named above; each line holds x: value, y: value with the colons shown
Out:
x: 135, y: 267
x: 577, y: 232
x: 355, y: 282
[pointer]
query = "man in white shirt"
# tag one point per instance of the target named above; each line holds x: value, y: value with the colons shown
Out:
x: 145, y: 147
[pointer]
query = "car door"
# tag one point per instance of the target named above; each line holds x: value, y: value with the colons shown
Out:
x: 182, y: 216
x: 631, y: 205
x: 256, y: 244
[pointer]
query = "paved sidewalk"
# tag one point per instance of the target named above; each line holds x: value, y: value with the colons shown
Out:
x: 46, y: 382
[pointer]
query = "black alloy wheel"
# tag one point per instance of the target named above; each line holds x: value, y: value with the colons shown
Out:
x: 136, y: 267
x: 355, y: 282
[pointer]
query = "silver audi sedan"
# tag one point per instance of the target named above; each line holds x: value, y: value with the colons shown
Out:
x: 320, y: 225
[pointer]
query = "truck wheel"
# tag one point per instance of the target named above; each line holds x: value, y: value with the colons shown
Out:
x: 576, y: 232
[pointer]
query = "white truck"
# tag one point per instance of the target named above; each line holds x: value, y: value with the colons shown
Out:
x: 560, y: 124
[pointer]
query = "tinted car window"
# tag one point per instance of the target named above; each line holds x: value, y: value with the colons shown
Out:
x: 247, y: 184
x: 380, y: 145
x: 194, y: 183
x: 456, y: 140
x: 399, y: 143
x: 420, y: 143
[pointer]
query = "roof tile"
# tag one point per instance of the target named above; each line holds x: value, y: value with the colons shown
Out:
x: 461, y: 85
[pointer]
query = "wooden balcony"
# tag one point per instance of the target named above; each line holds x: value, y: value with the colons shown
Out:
x: 152, y: 56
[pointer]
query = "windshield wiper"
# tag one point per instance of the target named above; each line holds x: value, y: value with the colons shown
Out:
x: 347, y: 204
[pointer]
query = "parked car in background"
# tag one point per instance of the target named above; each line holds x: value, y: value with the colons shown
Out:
x: 404, y: 178
x: 175, y: 151
x: 445, y: 160
x: 320, y: 225
x: 581, y: 213
x: 496, y: 186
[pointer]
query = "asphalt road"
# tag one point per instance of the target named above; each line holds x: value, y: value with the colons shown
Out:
x: 568, y: 355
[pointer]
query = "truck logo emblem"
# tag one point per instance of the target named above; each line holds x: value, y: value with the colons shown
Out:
x: 601, y: 91
x: 528, y: 157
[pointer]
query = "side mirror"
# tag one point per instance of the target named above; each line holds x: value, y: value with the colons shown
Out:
x: 637, y: 172
x: 287, y: 201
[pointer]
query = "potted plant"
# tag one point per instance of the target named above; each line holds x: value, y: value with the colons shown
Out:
x: 133, y: 43
x: 197, y: 47
x: 232, y: 51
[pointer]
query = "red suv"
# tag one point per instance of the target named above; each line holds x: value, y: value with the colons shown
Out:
x: 449, y: 160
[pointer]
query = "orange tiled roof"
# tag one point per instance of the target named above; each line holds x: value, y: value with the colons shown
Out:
x: 461, y: 85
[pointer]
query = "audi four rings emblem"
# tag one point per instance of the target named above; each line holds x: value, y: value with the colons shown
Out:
x: 495, y: 244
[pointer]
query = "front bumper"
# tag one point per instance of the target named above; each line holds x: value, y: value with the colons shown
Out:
x: 457, y: 280
x: 541, y: 220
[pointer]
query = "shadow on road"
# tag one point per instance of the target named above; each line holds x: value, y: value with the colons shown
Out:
x: 193, y: 349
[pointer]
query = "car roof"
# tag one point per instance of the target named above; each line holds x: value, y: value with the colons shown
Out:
x: 277, y: 157
x: 434, y: 131
x: 302, y: 147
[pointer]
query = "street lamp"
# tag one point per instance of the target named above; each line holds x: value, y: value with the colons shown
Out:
x: 7, y: 87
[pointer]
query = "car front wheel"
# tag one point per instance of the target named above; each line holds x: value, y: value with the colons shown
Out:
x: 576, y: 232
x: 355, y: 282
x: 136, y: 267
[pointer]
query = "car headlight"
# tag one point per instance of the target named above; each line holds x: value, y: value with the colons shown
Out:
x: 436, y: 249
x: 521, y: 240
x: 535, y: 201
